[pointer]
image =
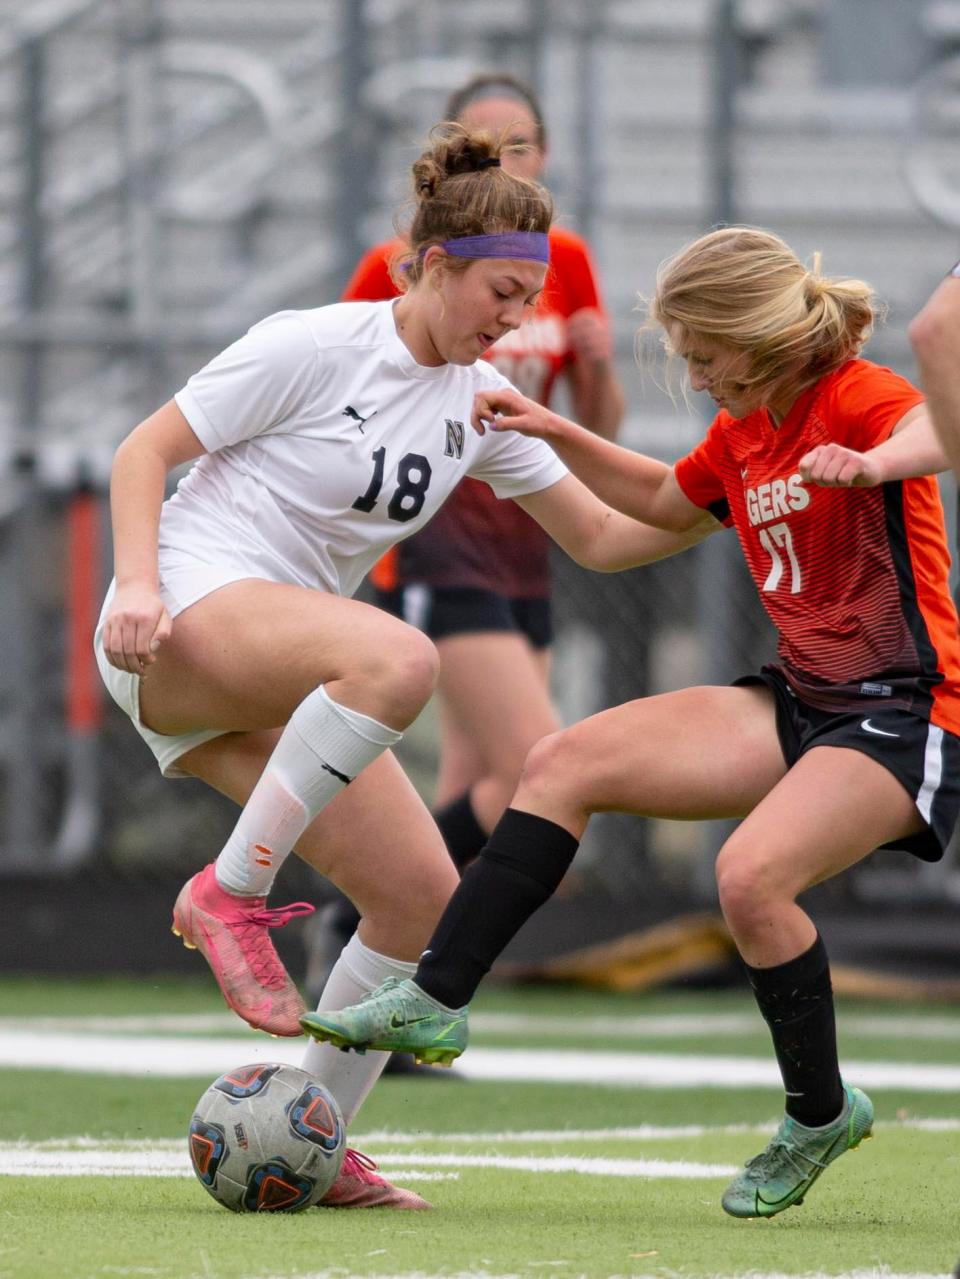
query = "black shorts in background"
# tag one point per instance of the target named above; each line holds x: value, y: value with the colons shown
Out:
x: 442, y: 611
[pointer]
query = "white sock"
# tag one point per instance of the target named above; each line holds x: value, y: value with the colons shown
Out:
x: 323, y: 747
x: 348, y: 1075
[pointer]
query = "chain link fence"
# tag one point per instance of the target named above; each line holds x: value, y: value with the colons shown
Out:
x: 177, y: 169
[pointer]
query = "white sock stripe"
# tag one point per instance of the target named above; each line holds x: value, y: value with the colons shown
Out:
x: 932, y: 771
x: 416, y: 605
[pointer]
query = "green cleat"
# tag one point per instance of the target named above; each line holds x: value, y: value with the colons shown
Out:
x: 795, y: 1158
x: 396, y: 1017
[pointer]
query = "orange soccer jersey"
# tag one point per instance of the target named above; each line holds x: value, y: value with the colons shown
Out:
x: 856, y: 580
x: 476, y: 540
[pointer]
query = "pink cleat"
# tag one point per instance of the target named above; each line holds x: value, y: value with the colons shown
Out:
x: 231, y: 934
x: 358, y: 1186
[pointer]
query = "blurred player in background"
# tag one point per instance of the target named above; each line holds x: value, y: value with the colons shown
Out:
x: 477, y: 578
x: 229, y: 637
x: 822, y: 462
x: 935, y: 335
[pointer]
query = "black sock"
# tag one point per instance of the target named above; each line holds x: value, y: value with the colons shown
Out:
x: 462, y: 833
x: 796, y: 1000
x: 524, y: 860
x: 343, y: 919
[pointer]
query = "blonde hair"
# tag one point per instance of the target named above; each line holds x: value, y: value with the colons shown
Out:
x: 746, y: 288
x: 460, y: 189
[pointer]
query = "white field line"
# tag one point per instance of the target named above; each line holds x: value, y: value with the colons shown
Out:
x: 595, y: 1167
x: 697, y: 1025
x: 167, y: 1157
x: 673, y: 1070
x: 380, y: 1139
x: 639, y: 1132
x: 148, y: 1161
x: 878, y: 1272
x: 527, y: 1025
x: 202, y: 1057
x: 29, y: 1161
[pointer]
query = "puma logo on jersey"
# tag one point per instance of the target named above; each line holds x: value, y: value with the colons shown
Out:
x: 776, y: 498
x: 453, y: 444
x: 350, y: 411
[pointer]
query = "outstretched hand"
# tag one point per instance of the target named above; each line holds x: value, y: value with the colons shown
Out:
x: 834, y: 466
x: 137, y: 625
x: 504, y: 409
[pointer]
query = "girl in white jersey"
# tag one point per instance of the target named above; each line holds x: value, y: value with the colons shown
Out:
x: 229, y: 635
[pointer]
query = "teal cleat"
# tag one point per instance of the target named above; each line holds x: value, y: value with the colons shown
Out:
x: 795, y: 1158
x: 396, y: 1017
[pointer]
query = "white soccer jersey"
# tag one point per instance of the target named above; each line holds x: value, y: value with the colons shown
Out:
x: 327, y: 443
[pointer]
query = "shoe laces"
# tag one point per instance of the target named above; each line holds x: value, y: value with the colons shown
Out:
x: 781, y: 1150
x: 357, y: 1164
x: 256, y: 944
x: 388, y: 984
x: 392, y: 996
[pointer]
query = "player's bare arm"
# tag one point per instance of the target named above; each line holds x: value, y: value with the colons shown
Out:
x: 911, y: 449
x: 600, y: 538
x: 137, y: 622
x: 636, y: 485
x: 935, y: 337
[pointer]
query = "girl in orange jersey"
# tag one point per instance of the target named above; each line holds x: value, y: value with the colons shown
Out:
x: 477, y: 581
x: 821, y: 462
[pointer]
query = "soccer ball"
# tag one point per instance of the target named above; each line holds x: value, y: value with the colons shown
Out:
x: 267, y: 1138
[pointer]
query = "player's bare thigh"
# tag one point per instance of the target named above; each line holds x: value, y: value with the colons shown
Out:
x: 375, y: 841
x: 832, y: 808
x: 246, y: 655
x: 470, y: 687
x: 698, y: 753
x: 494, y: 687
x: 459, y: 765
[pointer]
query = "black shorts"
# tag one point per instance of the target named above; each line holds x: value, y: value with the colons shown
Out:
x: 440, y: 611
x: 925, y: 759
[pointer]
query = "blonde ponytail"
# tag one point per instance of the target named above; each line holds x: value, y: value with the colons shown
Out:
x: 745, y: 287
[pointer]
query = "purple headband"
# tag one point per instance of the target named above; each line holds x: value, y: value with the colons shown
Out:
x: 530, y: 246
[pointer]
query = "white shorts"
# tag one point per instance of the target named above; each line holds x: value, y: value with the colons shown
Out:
x: 184, y: 580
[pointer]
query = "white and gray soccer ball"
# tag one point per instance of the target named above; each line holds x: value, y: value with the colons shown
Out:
x: 267, y: 1138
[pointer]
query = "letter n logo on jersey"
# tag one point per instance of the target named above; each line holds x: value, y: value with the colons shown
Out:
x: 454, y: 442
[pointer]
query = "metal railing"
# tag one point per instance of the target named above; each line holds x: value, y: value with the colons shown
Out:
x: 384, y: 68
x: 35, y: 329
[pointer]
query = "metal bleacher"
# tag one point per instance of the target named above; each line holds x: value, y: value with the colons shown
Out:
x: 189, y: 168
x: 173, y: 170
